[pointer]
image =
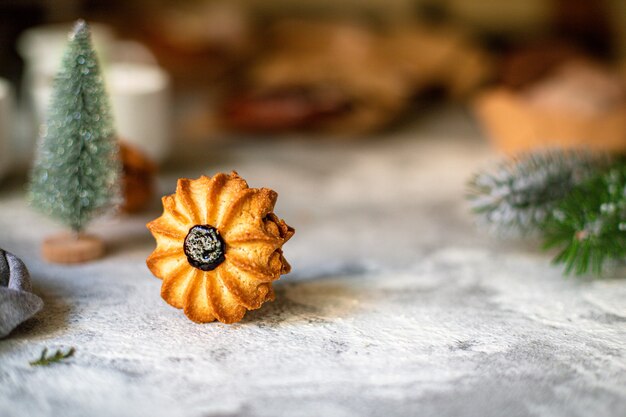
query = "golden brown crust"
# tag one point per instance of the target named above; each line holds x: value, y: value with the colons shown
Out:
x: 253, y: 236
x: 196, y: 303
x: 175, y: 283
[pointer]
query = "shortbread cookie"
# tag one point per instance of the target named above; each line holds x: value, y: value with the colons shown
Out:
x: 219, y: 247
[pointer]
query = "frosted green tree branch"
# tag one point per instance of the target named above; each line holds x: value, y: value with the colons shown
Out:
x: 519, y: 194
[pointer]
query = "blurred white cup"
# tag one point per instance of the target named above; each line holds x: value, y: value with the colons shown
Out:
x: 138, y: 88
x: 140, y: 98
x: 140, y: 102
x: 6, y: 126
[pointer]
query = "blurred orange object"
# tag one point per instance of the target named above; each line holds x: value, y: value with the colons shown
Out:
x: 197, y: 42
x: 438, y: 56
x: 347, y: 77
x: 324, y: 76
x: 137, y: 179
x: 530, y: 63
x: 580, y: 105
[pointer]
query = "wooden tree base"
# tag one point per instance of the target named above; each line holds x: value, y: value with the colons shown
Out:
x: 68, y: 248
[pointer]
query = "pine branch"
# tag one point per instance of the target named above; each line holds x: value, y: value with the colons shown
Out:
x: 589, y: 225
x: 58, y: 356
x: 520, y: 194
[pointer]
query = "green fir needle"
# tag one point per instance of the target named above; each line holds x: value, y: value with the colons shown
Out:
x: 58, y: 356
x: 589, y: 225
x: 518, y: 195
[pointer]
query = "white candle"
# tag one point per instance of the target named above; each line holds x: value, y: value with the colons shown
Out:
x: 42, y: 48
x: 6, y: 126
x: 140, y: 97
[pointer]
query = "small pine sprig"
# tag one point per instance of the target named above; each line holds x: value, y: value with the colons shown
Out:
x: 589, y: 224
x: 57, y: 356
x: 520, y: 193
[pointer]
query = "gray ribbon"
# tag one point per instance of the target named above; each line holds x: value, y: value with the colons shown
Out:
x: 17, y: 302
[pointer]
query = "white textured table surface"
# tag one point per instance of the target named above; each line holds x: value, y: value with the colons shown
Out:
x: 397, y: 304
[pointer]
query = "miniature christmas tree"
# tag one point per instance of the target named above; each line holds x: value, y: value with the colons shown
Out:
x: 76, y: 175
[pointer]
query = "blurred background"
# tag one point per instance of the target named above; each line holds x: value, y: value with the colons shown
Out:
x: 367, y: 117
x: 531, y: 72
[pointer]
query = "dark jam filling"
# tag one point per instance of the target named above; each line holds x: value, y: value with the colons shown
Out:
x: 204, y: 247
